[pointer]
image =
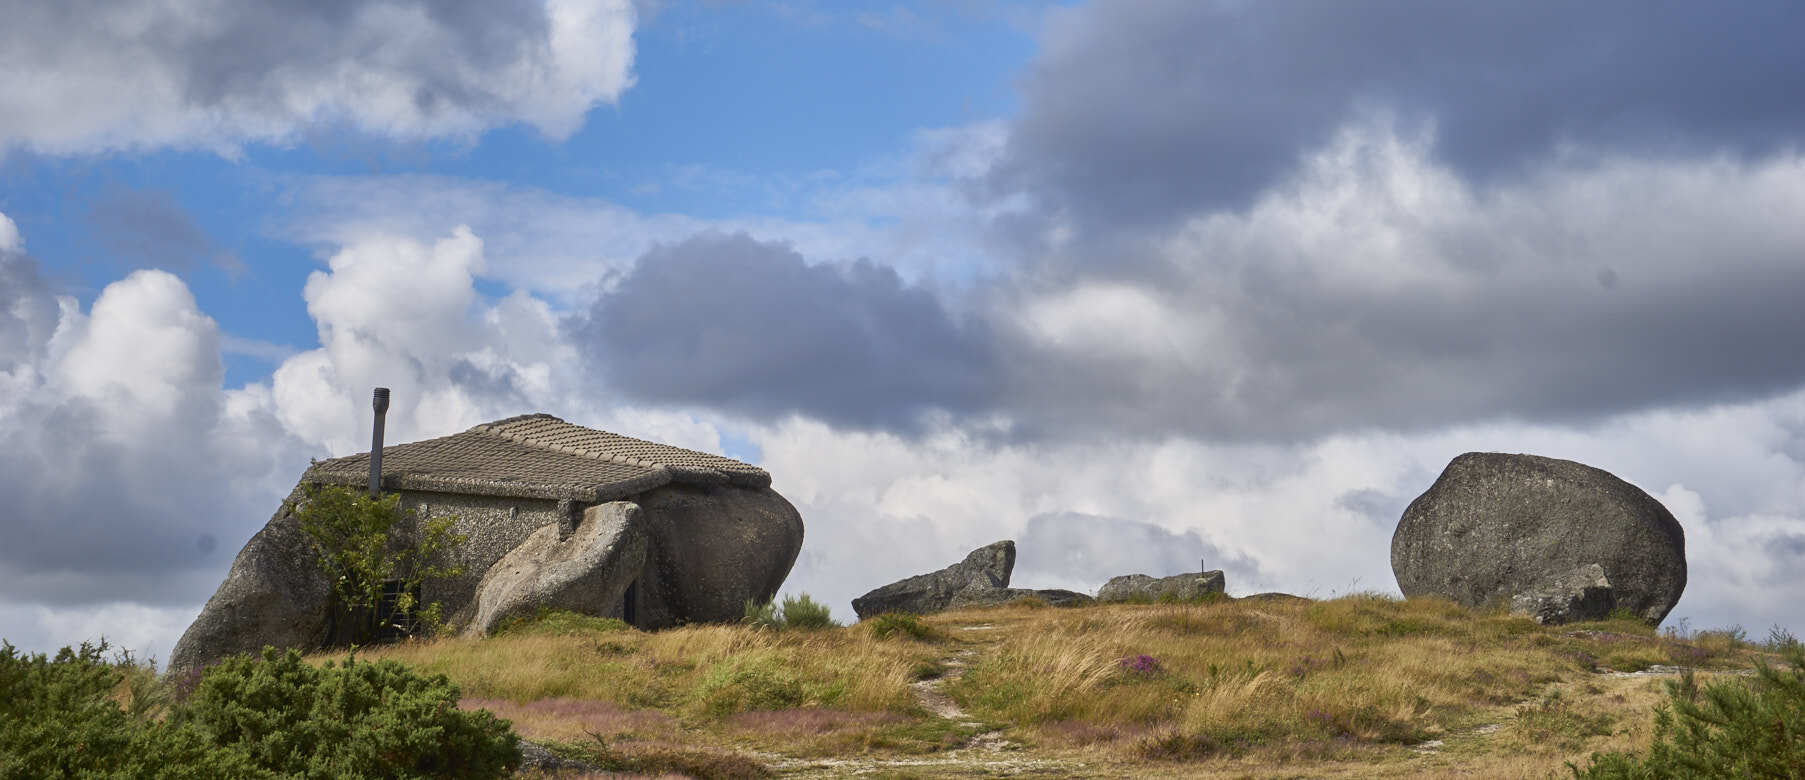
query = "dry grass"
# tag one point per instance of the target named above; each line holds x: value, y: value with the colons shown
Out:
x: 1361, y: 686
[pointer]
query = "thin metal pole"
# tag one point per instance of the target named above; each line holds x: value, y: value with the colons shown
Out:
x: 379, y: 402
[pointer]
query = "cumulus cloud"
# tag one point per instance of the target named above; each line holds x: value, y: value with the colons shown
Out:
x: 122, y: 459
x: 1138, y: 113
x: 733, y: 323
x: 83, y: 77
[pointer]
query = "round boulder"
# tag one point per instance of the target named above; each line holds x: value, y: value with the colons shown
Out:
x: 1495, y: 526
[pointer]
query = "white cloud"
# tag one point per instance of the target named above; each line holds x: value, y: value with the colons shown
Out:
x: 82, y: 77
x: 400, y: 313
x: 123, y: 461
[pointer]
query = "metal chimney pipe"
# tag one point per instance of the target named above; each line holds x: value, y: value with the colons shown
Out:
x: 379, y: 402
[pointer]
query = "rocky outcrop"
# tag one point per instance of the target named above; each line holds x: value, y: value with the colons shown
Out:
x: 1181, y: 587
x: 1496, y: 526
x: 274, y: 595
x: 985, y: 569
x: 1582, y: 594
x: 588, y: 572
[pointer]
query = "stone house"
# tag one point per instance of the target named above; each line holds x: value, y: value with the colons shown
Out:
x: 552, y: 513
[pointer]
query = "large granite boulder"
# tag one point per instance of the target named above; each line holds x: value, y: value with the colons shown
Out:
x: 1582, y: 594
x: 985, y: 569
x: 587, y: 572
x: 274, y: 595
x: 1181, y: 587
x: 713, y: 548
x: 1496, y: 526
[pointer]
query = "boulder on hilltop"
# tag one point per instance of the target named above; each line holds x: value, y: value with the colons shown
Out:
x: 1497, y: 526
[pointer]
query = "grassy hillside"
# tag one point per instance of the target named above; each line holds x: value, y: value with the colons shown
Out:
x: 1362, y: 686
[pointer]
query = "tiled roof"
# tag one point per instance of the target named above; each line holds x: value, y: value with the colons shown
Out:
x: 538, y: 456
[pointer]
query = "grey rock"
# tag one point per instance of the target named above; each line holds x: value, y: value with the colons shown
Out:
x: 985, y: 569
x: 1496, y: 525
x: 712, y: 549
x: 535, y: 758
x: 587, y: 572
x: 1181, y: 587
x: 1582, y: 594
x: 274, y: 595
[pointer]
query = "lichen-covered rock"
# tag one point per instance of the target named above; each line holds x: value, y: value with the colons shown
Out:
x: 986, y: 569
x: 1180, y: 587
x: 587, y: 572
x: 1582, y: 594
x: 1495, y: 525
x: 274, y: 595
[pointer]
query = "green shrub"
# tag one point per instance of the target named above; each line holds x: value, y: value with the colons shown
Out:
x: 891, y: 624
x: 58, y: 719
x: 800, y: 611
x: 377, y: 555
x: 761, y: 615
x: 1731, y: 728
x: 376, y: 720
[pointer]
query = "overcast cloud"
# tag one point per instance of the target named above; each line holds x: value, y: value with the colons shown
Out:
x: 90, y: 75
x: 1137, y: 114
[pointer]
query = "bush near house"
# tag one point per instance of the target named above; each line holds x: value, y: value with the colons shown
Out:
x: 376, y: 555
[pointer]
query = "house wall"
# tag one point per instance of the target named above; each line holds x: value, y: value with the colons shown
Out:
x: 492, y: 525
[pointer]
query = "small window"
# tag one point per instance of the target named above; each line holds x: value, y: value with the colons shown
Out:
x: 392, y: 622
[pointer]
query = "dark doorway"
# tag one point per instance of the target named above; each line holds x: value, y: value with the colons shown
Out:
x: 629, y: 604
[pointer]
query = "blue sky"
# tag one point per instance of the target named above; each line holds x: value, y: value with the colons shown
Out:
x: 730, y: 99
x: 1137, y: 283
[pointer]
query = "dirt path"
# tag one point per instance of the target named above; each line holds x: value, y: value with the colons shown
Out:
x: 986, y: 753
